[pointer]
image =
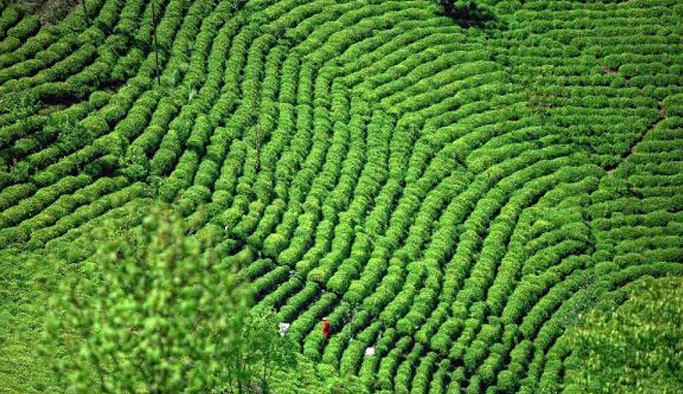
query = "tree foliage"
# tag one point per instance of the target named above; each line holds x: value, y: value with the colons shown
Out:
x: 466, y: 12
x: 637, y: 348
x: 159, y: 313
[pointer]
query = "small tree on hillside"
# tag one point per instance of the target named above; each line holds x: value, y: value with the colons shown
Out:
x: 158, y: 313
x: 466, y: 12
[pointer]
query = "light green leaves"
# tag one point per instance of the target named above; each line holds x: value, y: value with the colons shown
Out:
x: 161, y: 316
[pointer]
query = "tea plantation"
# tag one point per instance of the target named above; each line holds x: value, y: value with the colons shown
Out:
x: 458, y: 196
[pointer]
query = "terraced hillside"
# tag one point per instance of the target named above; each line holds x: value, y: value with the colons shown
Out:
x: 454, y: 197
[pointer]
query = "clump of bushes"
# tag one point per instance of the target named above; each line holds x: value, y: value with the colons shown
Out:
x: 467, y: 13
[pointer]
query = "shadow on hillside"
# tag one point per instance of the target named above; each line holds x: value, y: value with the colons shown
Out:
x: 468, y: 13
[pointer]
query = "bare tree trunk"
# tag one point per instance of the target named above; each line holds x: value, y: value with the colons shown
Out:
x: 156, y: 50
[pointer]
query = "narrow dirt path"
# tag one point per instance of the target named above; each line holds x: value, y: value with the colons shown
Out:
x: 610, y: 169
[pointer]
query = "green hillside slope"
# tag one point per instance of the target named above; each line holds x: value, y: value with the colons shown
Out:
x: 453, y: 196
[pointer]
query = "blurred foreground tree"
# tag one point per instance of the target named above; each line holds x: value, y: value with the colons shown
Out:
x: 159, y: 313
x: 635, y: 348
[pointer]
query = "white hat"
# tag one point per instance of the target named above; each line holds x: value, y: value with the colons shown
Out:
x: 324, y: 318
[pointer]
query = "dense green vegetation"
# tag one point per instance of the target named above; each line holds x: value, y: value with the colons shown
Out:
x: 638, y: 348
x: 160, y: 312
x: 456, y: 193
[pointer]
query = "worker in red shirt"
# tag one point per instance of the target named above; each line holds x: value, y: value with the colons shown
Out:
x: 327, y: 330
